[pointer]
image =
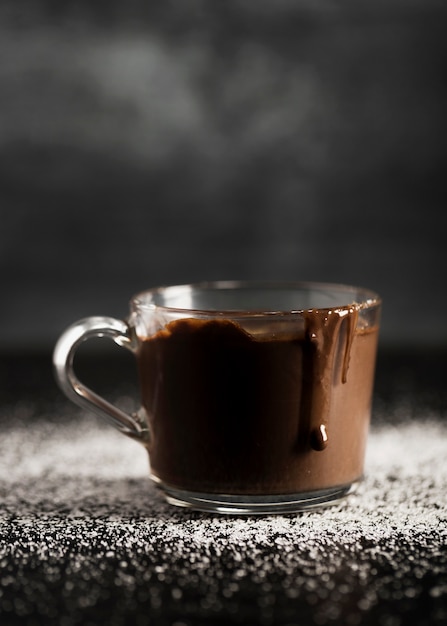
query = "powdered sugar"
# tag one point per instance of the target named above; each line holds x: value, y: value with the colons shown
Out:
x: 83, y: 528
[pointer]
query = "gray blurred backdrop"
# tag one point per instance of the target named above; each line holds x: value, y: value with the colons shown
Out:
x: 146, y: 143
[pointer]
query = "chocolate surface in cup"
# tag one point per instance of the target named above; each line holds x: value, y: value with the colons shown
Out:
x: 272, y: 412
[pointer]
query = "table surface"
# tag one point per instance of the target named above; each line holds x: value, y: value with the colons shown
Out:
x: 86, y: 539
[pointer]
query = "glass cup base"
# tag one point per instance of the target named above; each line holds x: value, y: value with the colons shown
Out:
x: 254, y: 505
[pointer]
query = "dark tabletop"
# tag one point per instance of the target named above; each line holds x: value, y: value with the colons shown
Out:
x: 86, y: 539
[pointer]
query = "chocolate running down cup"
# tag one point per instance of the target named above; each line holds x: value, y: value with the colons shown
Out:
x: 255, y: 397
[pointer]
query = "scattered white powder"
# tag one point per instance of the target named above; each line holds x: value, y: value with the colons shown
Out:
x: 85, y: 538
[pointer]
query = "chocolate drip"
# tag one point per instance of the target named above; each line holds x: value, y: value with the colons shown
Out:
x: 322, y: 334
x: 351, y: 316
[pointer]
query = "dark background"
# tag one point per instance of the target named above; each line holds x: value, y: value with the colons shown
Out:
x: 146, y: 143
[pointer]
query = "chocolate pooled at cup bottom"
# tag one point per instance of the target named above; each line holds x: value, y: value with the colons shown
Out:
x: 233, y: 412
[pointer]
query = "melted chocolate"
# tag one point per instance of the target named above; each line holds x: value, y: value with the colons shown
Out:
x: 322, y: 333
x: 276, y: 412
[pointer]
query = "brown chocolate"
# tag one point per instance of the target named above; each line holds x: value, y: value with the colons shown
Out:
x: 272, y: 413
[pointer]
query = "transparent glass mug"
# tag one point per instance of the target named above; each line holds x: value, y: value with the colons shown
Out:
x: 255, y: 397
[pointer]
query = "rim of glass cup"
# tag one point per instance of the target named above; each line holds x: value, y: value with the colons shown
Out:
x: 140, y: 300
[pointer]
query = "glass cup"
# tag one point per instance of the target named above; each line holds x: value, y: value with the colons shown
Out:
x: 255, y: 397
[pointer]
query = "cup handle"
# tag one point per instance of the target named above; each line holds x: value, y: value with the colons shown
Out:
x: 63, y: 357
